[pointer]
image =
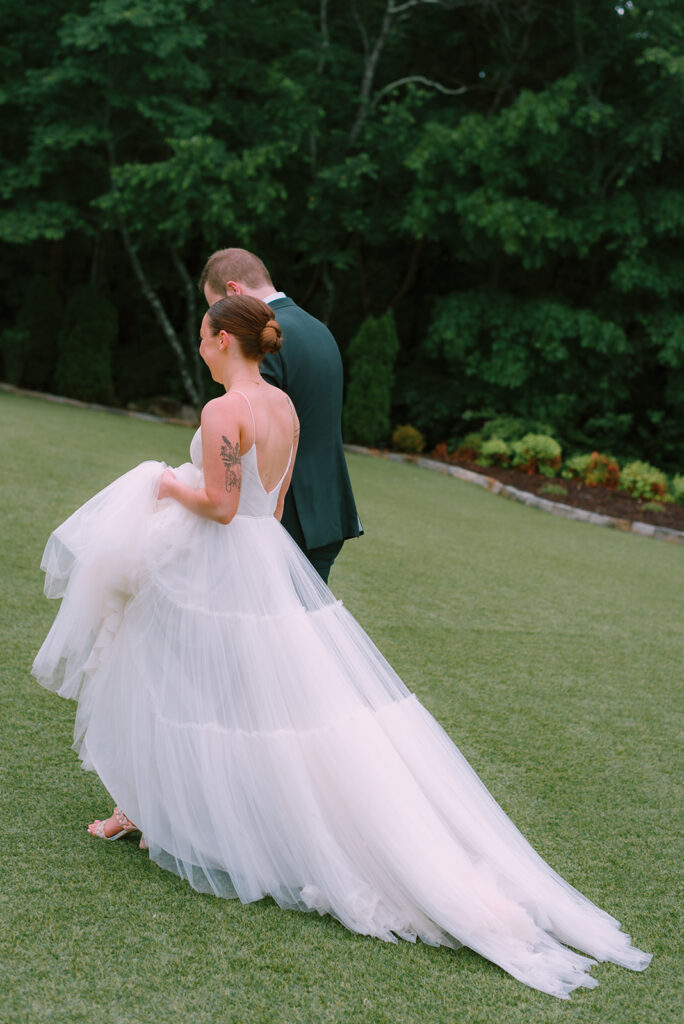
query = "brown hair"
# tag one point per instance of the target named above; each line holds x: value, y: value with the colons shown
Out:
x: 251, y: 321
x: 234, y: 265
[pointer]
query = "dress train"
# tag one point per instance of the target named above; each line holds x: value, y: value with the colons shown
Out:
x: 243, y: 719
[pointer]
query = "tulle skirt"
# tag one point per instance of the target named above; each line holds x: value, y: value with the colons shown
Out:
x: 242, y: 718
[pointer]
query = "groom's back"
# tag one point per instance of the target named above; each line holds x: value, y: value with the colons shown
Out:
x: 309, y: 369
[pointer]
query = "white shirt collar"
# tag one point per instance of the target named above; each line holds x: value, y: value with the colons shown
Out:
x: 274, y: 295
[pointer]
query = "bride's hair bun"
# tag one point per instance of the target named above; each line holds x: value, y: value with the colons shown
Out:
x: 271, y: 337
x: 250, y: 320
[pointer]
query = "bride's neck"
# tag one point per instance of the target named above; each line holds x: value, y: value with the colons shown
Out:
x: 241, y: 371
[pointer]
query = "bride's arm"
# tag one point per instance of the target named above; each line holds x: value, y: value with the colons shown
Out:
x: 218, y: 499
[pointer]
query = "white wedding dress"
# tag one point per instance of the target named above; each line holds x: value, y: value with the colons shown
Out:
x: 243, y: 719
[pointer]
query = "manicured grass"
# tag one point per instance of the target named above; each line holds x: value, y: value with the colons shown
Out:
x: 552, y: 652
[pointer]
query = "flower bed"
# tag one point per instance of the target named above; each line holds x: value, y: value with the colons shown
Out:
x: 603, y: 500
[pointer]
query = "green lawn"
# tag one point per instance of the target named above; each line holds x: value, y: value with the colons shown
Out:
x: 552, y: 651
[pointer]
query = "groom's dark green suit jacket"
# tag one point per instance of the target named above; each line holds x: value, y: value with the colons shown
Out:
x: 309, y: 369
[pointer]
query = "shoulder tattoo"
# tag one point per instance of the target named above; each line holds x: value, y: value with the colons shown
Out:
x: 230, y: 457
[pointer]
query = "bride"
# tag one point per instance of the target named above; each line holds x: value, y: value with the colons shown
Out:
x: 245, y: 723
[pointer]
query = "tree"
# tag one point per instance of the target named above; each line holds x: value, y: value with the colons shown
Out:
x: 30, y: 348
x: 563, y: 213
x: 372, y: 352
x: 84, y: 363
x: 503, y: 176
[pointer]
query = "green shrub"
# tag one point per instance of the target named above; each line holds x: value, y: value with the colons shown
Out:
x: 596, y: 470
x: 468, y: 449
x: 677, y: 488
x: 407, y: 439
x: 465, y: 450
x: 472, y: 440
x: 84, y: 365
x: 371, y: 356
x: 555, y: 490
x: 602, y: 471
x: 494, y: 452
x: 642, y: 480
x: 454, y: 451
x: 652, y: 506
x: 575, y: 467
x: 537, y: 453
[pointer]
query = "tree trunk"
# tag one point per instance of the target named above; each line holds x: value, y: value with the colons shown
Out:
x: 163, y: 320
x: 191, y: 323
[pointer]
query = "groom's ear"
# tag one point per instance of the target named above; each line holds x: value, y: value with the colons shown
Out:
x: 234, y: 287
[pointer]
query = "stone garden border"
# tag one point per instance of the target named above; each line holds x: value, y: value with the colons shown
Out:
x: 556, y: 508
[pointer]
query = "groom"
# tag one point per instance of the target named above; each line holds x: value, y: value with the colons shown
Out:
x: 320, y: 513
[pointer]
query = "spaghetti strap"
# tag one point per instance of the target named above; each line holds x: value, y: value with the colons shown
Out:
x: 295, y: 425
x: 234, y: 391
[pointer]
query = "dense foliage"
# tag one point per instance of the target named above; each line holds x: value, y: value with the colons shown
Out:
x: 503, y: 176
x: 371, y: 357
x: 89, y: 328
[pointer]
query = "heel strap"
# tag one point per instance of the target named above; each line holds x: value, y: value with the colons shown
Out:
x: 125, y: 823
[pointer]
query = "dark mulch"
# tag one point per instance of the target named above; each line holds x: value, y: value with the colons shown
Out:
x: 593, y: 499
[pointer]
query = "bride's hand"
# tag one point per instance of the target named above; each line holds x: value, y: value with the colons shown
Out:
x: 165, y: 484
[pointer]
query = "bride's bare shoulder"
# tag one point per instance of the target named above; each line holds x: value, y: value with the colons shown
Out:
x: 277, y: 396
x: 218, y: 409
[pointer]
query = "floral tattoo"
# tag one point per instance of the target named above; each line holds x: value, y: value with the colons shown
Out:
x: 230, y: 457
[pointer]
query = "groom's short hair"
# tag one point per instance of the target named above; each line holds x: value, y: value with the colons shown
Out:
x: 234, y: 265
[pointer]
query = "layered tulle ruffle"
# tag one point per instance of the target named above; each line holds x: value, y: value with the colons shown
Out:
x: 239, y: 714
